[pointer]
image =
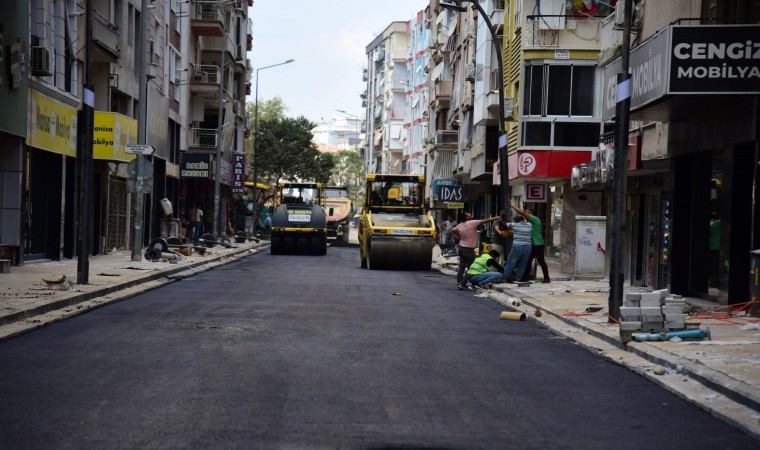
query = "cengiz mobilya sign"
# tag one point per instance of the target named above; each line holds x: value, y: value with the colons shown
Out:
x: 684, y: 59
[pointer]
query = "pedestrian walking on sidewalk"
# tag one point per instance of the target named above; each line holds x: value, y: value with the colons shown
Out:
x: 485, y: 270
x: 466, y: 234
x: 521, y: 247
x: 537, y: 239
x: 198, y: 223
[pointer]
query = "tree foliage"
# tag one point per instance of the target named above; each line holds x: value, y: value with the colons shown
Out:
x: 349, y: 171
x: 286, y: 152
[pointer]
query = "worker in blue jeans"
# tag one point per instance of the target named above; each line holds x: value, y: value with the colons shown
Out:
x: 485, y: 270
x: 522, y: 246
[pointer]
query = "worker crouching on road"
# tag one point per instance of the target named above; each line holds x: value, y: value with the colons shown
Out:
x: 485, y: 270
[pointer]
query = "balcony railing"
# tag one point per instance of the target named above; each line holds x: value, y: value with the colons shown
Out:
x: 206, y: 17
x: 203, y: 138
x: 205, y: 74
x: 566, y: 32
x: 446, y: 139
x: 106, y: 35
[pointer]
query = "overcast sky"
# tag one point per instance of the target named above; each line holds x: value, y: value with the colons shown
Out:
x: 327, y: 39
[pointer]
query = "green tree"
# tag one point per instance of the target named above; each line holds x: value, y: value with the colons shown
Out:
x: 349, y: 171
x: 286, y: 151
x: 268, y: 109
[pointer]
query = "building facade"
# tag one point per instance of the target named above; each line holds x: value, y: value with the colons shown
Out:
x: 691, y: 209
x: 386, y: 79
x: 41, y: 133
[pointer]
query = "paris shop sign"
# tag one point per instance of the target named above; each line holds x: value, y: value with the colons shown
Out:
x: 695, y: 60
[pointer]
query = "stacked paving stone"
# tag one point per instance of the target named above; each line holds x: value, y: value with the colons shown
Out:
x: 653, y: 312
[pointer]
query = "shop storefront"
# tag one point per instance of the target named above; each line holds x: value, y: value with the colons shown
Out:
x: 692, y: 206
x: 49, y: 204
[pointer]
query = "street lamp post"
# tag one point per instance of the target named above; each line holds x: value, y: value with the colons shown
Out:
x: 356, y: 124
x: 622, y: 116
x: 142, y: 127
x: 503, y: 163
x: 84, y: 153
x: 256, y: 140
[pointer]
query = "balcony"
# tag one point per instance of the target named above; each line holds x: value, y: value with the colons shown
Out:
x: 202, y: 139
x: 105, y: 36
x: 497, y: 16
x: 561, y: 32
x: 442, y: 93
x: 446, y: 140
x: 206, y: 18
x: 212, y: 47
x: 204, y: 80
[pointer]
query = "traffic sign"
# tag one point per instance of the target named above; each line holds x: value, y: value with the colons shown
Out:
x: 139, y: 149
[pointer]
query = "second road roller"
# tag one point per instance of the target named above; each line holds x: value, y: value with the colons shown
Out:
x: 299, y: 222
x: 395, y: 229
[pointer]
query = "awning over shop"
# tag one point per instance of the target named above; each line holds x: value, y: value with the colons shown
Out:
x: 545, y: 163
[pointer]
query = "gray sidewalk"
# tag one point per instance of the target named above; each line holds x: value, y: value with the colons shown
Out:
x: 721, y: 375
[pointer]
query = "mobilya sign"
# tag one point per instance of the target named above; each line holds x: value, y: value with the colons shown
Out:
x: 728, y: 63
x: 680, y: 59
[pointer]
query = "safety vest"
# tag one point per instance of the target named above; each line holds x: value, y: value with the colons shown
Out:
x: 339, y: 232
x: 479, y: 265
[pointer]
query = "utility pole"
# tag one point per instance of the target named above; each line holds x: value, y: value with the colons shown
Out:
x: 617, y: 223
x: 84, y: 150
x: 142, y: 126
x: 220, y: 128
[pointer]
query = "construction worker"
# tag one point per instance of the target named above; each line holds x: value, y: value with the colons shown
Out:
x: 339, y: 234
x: 485, y: 270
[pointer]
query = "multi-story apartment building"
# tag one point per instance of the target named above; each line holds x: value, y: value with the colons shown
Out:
x: 219, y: 78
x: 417, y: 96
x: 463, y: 144
x: 551, y: 78
x: 386, y: 106
x: 443, y: 133
x: 339, y: 134
x: 47, y: 65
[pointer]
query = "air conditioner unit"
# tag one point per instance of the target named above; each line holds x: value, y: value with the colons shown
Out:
x: 151, y: 71
x: 509, y: 108
x: 620, y: 12
x: 469, y: 71
x: 40, y: 62
x: 201, y: 77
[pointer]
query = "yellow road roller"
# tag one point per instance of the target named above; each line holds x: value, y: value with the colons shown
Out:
x: 299, y: 223
x: 395, y: 229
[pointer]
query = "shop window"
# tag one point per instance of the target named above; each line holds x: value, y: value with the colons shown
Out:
x: 576, y: 134
x: 537, y: 133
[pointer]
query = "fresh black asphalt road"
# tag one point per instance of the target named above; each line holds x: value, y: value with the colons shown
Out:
x: 303, y: 352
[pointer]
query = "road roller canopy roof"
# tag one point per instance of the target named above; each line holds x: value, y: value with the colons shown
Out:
x: 336, y: 192
x: 301, y: 193
x: 249, y: 184
x: 395, y: 191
